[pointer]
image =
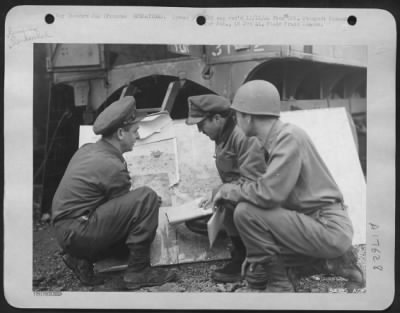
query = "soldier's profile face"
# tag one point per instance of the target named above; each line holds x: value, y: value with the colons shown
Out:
x: 209, y: 127
x: 242, y: 123
x: 129, y: 137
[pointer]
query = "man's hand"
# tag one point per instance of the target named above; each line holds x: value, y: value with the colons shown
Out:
x: 222, y: 193
x: 206, y: 201
x: 217, y: 197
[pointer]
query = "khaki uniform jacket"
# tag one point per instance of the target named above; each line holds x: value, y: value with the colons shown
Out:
x: 296, y: 177
x: 238, y: 158
x: 96, y: 174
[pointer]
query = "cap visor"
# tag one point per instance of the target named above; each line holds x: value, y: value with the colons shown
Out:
x: 194, y: 120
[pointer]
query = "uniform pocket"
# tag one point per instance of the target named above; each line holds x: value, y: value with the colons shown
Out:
x: 227, y: 163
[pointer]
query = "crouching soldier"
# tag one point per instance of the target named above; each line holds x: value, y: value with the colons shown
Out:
x: 294, y: 212
x: 237, y: 158
x: 94, y: 212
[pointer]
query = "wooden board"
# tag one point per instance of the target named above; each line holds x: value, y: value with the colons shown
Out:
x: 330, y: 131
x: 165, y: 247
x: 193, y: 247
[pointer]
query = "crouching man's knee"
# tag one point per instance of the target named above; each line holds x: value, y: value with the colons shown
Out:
x: 242, y: 214
x: 147, y: 191
x: 144, y: 202
x: 149, y: 196
x: 340, y: 244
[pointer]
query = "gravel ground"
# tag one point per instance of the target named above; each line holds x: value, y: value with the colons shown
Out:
x: 50, y: 273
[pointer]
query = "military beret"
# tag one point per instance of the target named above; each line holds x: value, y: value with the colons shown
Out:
x: 200, y: 107
x: 118, y: 114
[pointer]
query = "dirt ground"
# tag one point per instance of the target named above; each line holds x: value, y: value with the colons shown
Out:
x: 50, y: 273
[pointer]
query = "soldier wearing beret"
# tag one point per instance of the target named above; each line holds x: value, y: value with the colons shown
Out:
x: 94, y: 210
x: 237, y: 158
x: 293, y: 216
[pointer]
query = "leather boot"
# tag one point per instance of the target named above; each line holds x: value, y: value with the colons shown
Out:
x: 198, y: 225
x: 82, y: 269
x: 346, y: 266
x: 231, y: 272
x: 139, y: 272
x: 297, y: 272
x: 270, y: 276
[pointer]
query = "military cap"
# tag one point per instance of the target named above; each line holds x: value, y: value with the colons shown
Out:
x: 118, y: 114
x: 200, y: 107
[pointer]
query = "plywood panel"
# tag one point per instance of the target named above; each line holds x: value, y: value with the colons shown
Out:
x: 193, y: 247
x: 165, y: 247
x: 331, y: 133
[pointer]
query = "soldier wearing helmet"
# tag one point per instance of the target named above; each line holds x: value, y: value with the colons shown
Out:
x: 292, y: 219
x: 237, y: 158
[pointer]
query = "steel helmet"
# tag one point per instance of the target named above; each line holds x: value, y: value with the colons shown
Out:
x: 257, y: 97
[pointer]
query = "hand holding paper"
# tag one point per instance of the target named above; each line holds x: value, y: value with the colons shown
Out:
x: 206, y: 201
x: 214, y: 225
x: 223, y: 193
x: 217, y: 197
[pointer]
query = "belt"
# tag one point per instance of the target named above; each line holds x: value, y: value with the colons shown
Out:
x: 339, y: 205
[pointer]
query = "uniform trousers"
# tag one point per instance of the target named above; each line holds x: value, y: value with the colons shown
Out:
x: 297, y: 237
x: 228, y: 208
x: 131, y: 219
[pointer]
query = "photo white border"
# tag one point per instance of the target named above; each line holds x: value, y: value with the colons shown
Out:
x: 25, y: 25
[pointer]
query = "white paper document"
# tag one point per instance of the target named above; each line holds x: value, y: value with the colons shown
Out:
x: 214, y: 225
x: 186, y: 211
x: 153, y: 123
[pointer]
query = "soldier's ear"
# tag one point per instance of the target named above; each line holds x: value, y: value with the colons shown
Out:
x: 250, y: 118
x: 120, y: 134
x: 247, y: 118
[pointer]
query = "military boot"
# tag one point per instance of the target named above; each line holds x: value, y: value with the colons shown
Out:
x: 346, y: 266
x: 198, y: 225
x: 139, y: 272
x: 295, y: 273
x: 82, y: 269
x: 270, y: 276
x: 231, y: 272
